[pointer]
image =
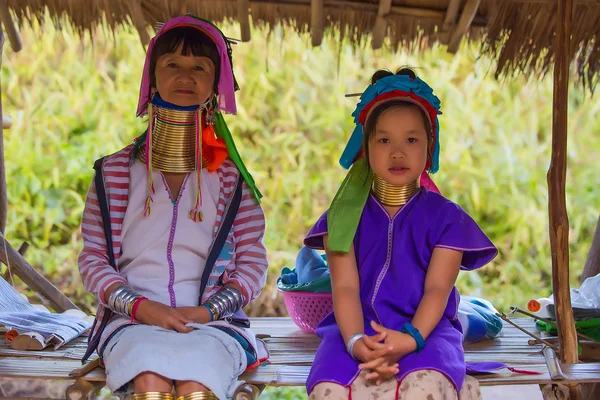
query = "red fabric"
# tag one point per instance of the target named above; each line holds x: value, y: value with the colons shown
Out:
x: 214, y: 151
x: 135, y: 306
x: 428, y: 183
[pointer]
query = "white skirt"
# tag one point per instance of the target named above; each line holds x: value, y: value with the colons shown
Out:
x: 206, y: 355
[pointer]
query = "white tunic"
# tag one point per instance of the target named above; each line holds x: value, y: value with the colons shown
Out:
x: 163, y: 257
x: 164, y: 254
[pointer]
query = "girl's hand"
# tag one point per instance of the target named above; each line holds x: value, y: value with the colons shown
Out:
x: 154, y: 313
x: 385, y: 367
x: 199, y: 315
x: 402, y: 343
x: 382, y: 373
x: 371, y: 348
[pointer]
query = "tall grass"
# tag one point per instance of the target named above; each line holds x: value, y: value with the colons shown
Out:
x: 74, y: 101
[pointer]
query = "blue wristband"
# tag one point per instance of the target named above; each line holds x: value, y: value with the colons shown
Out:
x: 212, y: 316
x: 414, y: 332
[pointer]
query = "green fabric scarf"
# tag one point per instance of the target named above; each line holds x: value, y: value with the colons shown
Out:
x: 347, y: 206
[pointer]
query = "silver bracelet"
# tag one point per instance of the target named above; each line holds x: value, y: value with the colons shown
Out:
x: 226, y: 301
x: 121, y: 299
x: 351, y: 342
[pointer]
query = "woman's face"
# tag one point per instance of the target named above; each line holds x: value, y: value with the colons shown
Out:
x: 184, y: 80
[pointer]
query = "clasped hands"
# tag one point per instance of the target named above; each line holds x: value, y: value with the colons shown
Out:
x: 176, y: 319
x: 381, y: 352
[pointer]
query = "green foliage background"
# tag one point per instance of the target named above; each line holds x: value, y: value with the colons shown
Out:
x: 73, y: 101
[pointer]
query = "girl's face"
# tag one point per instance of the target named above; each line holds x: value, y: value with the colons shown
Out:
x: 398, y: 147
x: 184, y: 80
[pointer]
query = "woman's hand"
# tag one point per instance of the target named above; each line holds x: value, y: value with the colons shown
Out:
x: 154, y: 313
x: 198, y: 314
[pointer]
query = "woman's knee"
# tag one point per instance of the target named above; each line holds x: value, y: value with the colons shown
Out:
x: 151, y: 382
x: 426, y: 385
x: 186, y: 387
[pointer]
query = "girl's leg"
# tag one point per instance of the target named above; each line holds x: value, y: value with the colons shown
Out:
x: 360, y: 389
x: 470, y: 389
x: 147, y: 384
x: 329, y: 391
x: 433, y: 385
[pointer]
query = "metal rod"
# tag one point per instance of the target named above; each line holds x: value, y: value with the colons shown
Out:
x: 581, y: 335
x: 505, y: 318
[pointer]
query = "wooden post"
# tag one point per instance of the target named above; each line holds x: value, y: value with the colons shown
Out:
x: 9, y: 25
x: 33, y: 279
x: 449, y: 24
x: 380, y: 27
x: 3, y: 193
x: 137, y: 17
x: 592, y: 268
x: 317, y: 21
x: 559, y: 221
x: 592, y: 263
x: 243, y: 13
x: 466, y: 19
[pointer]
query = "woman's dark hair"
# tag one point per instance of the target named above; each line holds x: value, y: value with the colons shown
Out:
x: 371, y: 122
x: 195, y: 42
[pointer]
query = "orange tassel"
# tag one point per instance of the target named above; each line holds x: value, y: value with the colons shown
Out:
x: 196, y: 215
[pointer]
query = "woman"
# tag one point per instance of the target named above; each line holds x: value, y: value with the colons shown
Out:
x: 185, y: 231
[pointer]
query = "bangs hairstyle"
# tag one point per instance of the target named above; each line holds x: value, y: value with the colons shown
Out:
x: 371, y: 122
x: 195, y: 43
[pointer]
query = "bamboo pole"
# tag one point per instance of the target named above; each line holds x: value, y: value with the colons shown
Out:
x: 137, y: 17
x: 317, y: 21
x: 9, y: 25
x: 464, y: 23
x: 243, y: 13
x: 33, y: 279
x: 592, y: 263
x: 380, y: 27
x: 559, y: 221
x: 451, y: 14
x: 3, y: 193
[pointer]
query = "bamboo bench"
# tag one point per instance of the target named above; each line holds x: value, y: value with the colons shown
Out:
x: 292, y: 353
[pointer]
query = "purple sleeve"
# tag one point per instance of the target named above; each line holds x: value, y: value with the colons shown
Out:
x: 314, y: 239
x: 460, y: 232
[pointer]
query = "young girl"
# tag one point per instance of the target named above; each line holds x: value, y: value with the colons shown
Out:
x: 395, y: 247
x: 170, y: 315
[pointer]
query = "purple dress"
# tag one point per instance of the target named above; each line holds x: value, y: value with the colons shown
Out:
x: 393, y: 255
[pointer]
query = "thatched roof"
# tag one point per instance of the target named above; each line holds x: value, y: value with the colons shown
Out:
x: 518, y: 33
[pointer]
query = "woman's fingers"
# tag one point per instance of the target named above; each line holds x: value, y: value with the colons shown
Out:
x: 181, y: 327
x: 179, y: 322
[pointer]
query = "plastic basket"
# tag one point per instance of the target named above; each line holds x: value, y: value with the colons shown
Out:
x: 307, y: 309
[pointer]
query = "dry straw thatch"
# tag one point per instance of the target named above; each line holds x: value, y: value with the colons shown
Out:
x: 519, y: 34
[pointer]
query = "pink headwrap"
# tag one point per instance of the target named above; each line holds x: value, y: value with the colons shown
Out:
x: 226, y: 100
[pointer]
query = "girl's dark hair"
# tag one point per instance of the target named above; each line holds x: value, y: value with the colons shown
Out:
x: 371, y: 122
x: 195, y: 43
